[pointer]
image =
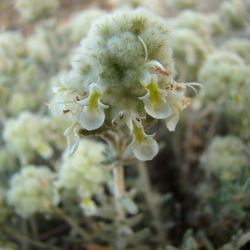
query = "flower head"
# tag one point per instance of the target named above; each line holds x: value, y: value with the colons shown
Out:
x: 225, y: 156
x: 31, y: 190
x: 122, y: 76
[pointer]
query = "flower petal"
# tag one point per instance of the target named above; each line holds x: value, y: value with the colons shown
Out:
x: 155, y: 102
x: 143, y: 146
x: 73, y: 138
x: 44, y: 149
x: 172, y: 121
x: 92, y: 119
x: 92, y: 115
x: 147, y: 77
x: 145, y: 151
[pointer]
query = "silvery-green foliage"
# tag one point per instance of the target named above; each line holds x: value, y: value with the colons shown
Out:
x: 30, y: 190
x: 7, y: 160
x: 225, y: 156
x: 83, y: 174
x: 122, y: 76
x: 189, y: 52
x: 189, y: 242
x: 233, y: 14
x: 239, y: 240
x: 32, y: 10
x: 227, y: 200
x: 79, y: 24
x: 7, y: 246
x: 28, y: 136
x: 3, y: 206
x: 240, y: 46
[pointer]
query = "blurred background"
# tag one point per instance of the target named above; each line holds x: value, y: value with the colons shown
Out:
x: 194, y: 195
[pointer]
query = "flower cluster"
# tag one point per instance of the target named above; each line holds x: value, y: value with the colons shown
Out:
x: 239, y: 46
x: 83, y: 173
x: 123, y: 76
x: 27, y: 136
x: 195, y: 21
x: 225, y: 156
x: 156, y: 6
x: 183, y: 4
x: 80, y: 23
x: 189, y: 52
x: 12, y: 49
x: 233, y: 14
x: 48, y: 42
x: 222, y: 73
x: 34, y: 9
x: 31, y: 190
x: 19, y: 78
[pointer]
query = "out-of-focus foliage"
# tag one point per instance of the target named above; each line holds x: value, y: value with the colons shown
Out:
x: 194, y: 195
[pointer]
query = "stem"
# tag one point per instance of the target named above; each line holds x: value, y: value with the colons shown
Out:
x: 33, y: 226
x: 207, y: 244
x: 119, y: 189
x: 71, y: 222
x: 23, y: 239
x: 152, y: 202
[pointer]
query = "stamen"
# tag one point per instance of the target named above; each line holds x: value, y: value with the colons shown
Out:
x: 161, y: 71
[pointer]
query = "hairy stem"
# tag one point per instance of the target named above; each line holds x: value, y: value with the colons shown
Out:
x: 152, y: 202
x: 28, y: 241
x: 74, y: 225
x: 119, y: 189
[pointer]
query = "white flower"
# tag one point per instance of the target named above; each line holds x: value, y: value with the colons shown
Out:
x: 155, y: 102
x: 73, y: 138
x: 92, y: 115
x: 143, y: 146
